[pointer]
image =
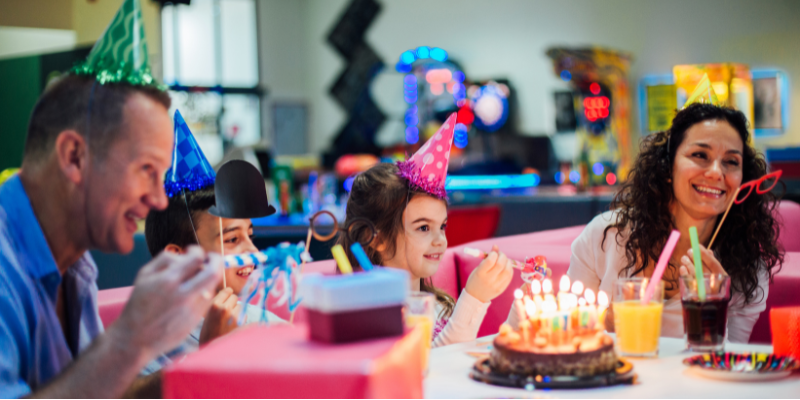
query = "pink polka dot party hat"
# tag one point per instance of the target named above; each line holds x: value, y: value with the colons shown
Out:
x: 426, y: 170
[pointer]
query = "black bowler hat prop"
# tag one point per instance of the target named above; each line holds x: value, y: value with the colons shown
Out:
x: 240, y: 192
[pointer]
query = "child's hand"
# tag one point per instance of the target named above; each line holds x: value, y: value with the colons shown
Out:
x: 710, y: 263
x: 221, y: 317
x: 491, y: 277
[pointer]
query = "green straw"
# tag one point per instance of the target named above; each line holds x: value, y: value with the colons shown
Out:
x: 698, y: 264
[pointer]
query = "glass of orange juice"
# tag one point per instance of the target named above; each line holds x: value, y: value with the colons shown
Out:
x: 419, y: 311
x: 637, y: 325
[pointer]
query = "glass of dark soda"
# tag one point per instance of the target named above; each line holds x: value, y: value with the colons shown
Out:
x: 705, y: 319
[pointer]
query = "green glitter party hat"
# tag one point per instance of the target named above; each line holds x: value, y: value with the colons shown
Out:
x: 120, y: 56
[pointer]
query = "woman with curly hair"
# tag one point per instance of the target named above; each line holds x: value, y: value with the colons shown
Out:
x: 685, y: 177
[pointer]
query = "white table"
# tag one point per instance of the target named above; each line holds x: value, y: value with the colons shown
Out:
x: 662, y: 377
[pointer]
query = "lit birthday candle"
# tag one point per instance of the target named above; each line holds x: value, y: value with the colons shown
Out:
x: 531, y: 311
x: 602, y: 306
x: 563, y: 293
x: 591, y: 309
x: 518, y: 305
x: 536, y: 289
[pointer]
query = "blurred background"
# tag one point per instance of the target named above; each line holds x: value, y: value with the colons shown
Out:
x: 553, y: 97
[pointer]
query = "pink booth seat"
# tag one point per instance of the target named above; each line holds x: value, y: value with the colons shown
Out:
x: 782, y: 293
x: 789, y: 217
x: 517, y: 247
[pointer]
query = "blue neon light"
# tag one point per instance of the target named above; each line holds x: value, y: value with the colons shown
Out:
x: 348, y: 184
x: 559, y: 177
x: 402, y: 68
x: 423, y: 52
x: 574, y: 176
x: 460, y: 137
x: 475, y: 182
x: 566, y: 75
x: 438, y: 54
x: 458, y: 76
x: 408, y: 57
x: 598, y: 169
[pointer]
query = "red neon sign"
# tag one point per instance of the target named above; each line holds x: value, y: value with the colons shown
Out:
x: 596, y: 107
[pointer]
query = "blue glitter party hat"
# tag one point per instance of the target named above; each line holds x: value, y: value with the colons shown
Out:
x: 190, y: 170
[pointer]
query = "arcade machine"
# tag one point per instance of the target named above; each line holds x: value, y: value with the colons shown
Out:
x: 598, y: 79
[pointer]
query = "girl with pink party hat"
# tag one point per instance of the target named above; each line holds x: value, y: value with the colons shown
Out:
x: 407, y: 204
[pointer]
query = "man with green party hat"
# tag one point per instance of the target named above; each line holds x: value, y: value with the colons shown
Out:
x: 98, y: 144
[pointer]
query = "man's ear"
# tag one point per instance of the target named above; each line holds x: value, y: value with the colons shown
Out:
x: 71, y: 154
x: 174, y: 248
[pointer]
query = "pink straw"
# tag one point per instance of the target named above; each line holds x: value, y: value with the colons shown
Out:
x: 663, y: 260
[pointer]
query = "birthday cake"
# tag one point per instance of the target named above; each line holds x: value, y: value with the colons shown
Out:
x: 585, y: 355
x: 558, y: 334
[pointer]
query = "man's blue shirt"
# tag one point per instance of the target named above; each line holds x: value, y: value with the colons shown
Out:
x: 33, y: 347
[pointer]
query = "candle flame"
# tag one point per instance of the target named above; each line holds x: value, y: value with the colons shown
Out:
x: 536, y: 287
x: 581, y: 302
x: 549, y: 306
x: 589, y: 295
x: 602, y: 298
x: 577, y: 287
x: 564, y: 284
x: 530, y: 308
x: 518, y: 294
x: 547, y: 286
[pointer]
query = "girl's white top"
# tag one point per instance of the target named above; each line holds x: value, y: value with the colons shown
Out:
x: 599, y: 268
x: 463, y: 324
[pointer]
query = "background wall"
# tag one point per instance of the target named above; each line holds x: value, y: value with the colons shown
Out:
x: 508, y: 38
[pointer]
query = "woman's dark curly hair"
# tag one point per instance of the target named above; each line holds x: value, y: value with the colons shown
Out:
x: 746, y: 243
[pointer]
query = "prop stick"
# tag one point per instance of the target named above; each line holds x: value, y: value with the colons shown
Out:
x: 698, y: 264
x: 730, y: 204
x: 661, y: 266
x: 222, y: 253
x: 480, y: 254
x: 308, y: 244
x: 302, y: 264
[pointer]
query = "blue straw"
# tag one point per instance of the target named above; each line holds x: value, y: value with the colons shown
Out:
x: 361, y: 256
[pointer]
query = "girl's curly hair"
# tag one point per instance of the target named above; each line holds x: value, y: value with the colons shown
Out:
x: 747, y: 242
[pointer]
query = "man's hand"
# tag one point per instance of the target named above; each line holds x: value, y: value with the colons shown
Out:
x: 170, y: 296
x: 491, y: 277
x: 221, y: 317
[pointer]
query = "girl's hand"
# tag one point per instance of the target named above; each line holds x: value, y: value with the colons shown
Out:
x: 491, y: 277
x: 710, y: 263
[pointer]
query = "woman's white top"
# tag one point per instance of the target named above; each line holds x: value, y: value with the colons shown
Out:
x: 599, y: 268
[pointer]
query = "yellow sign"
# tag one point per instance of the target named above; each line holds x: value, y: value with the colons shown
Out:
x: 662, y: 100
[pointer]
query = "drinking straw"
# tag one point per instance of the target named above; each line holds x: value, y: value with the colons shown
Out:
x: 661, y: 266
x: 361, y: 256
x: 341, y: 259
x: 698, y: 264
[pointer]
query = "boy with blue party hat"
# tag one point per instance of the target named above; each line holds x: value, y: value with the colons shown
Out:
x: 190, y: 185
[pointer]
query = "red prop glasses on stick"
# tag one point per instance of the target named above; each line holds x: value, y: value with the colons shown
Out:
x: 770, y: 180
